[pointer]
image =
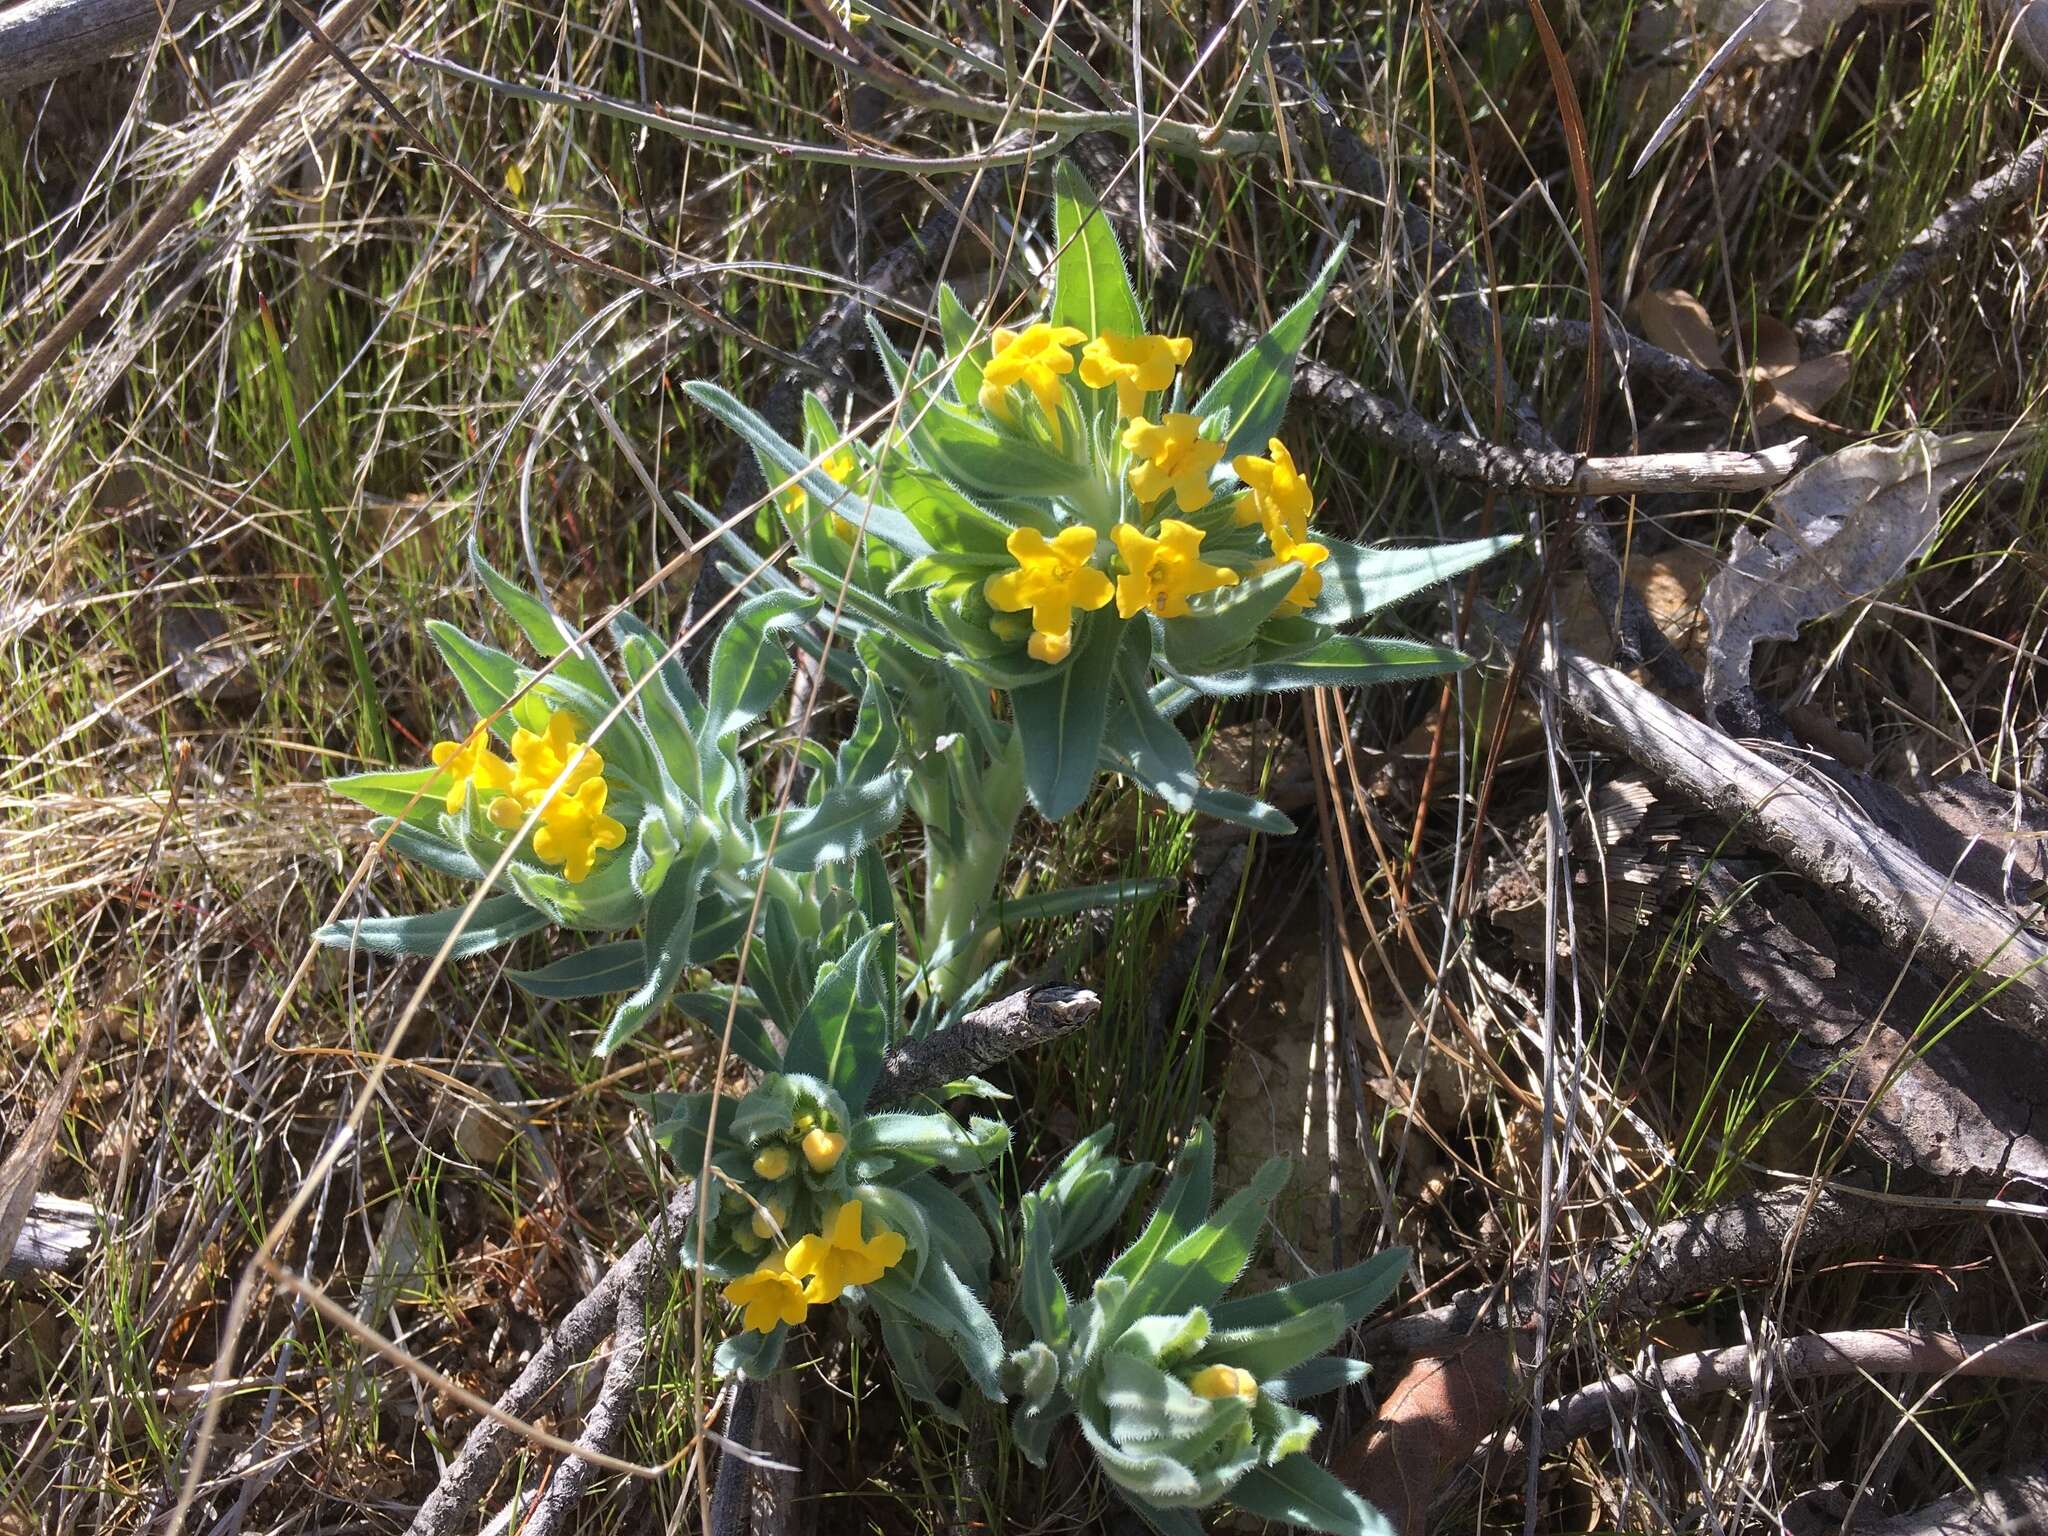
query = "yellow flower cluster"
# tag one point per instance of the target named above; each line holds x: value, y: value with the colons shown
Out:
x: 814, y: 1270
x: 573, y: 825
x: 1159, y: 571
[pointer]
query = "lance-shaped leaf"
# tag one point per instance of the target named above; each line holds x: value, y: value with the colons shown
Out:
x: 843, y: 1031
x: 487, y: 676
x: 1273, y: 1349
x: 1150, y: 748
x: 1254, y: 388
x: 944, y: 1304
x: 1199, y: 1268
x: 671, y: 919
x: 1180, y: 1210
x: 1061, y: 720
x: 1338, y: 662
x: 545, y: 630
x: 929, y: 1140
x: 781, y: 460
x: 596, y: 971
x: 426, y: 848
x: 1243, y: 810
x: 497, y: 920
x: 1358, y: 581
x: 668, y: 703
x: 1220, y: 625
x: 966, y: 350
x: 1299, y: 1492
x: 412, y: 796
x: 954, y: 527
x: 1358, y: 1290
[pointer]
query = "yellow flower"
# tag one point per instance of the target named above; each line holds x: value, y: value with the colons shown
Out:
x: 541, y: 759
x: 770, y: 1295
x: 1036, y: 357
x: 1052, y: 580
x: 572, y: 826
x: 1172, y: 455
x: 1164, y: 572
x: 842, y: 1258
x: 769, y: 1218
x: 1308, y: 556
x: 823, y: 1149
x: 1279, y: 498
x: 1136, y: 365
x: 840, y: 466
x: 472, y: 762
x: 1223, y: 1381
x: 772, y: 1164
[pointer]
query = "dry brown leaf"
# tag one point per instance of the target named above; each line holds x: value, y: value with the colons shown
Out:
x: 1679, y: 323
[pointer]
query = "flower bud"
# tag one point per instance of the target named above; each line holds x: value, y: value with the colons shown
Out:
x: 772, y: 1163
x: 823, y: 1149
x: 1224, y: 1381
x: 768, y: 1220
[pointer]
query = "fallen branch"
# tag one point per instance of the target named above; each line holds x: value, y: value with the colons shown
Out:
x: 2001, y: 1508
x: 53, y: 1239
x: 43, y: 39
x: 1917, y: 261
x: 1859, y: 1352
x: 1884, y: 881
x: 977, y: 1042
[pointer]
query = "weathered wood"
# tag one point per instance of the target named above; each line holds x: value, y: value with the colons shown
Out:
x: 54, y: 1239
x: 43, y: 39
x: 1913, y: 907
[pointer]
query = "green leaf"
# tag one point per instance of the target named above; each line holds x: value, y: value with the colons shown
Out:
x: 713, y: 1006
x: 1091, y: 287
x: 1219, y: 625
x: 1358, y: 581
x: 1061, y: 720
x: 427, y: 848
x: 671, y: 919
x: 1338, y: 662
x: 1358, y: 1290
x: 487, y: 676
x: 782, y: 461
x: 943, y: 1303
x: 1273, y: 1349
x: 929, y: 1140
x: 592, y: 972
x: 754, y: 1356
x: 843, y: 1032
x: 1039, y: 1289
x: 1180, y: 1210
x: 1008, y: 911
x: 846, y: 820
x: 1254, y: 388
x: 1244, y: 811
x: 1199, y: 1268
x: 1299, y: 1492
x: 964, y: 348
x: 954, y: 526
x: 669, y: 705
x: 1153, y: 751
x: 497, y: 920
x: 544, y: 629
x: 749, y: 668
x: 403, y: 794
x: 907, y: 1346
x: 1312, y: 1378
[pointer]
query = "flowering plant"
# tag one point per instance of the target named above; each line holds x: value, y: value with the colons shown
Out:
x: 1048, y: 520
x: 633, y: 808
x: 1185, y: 1395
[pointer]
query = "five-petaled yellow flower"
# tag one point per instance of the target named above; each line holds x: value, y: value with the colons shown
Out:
x: 471, y: 762
x: 1223, y: 1381
x: 1136, y: 365
x: 1172, y: 456
x: 1279, y: 498
x: 574, y: 827
x: 1052, y: 579
x: 1163, y: 573
x: 770, y: 1295
x: 540, y: 758
x: 839, y: 1256
x: 1308, y: 555
x: 1036, y: 357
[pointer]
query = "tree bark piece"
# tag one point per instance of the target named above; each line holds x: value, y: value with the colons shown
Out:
x: 43, y: 39
x: 1879, y: 877
x: 988, y: 1035
x: 2006, y: 1507
x: 54, y: 1239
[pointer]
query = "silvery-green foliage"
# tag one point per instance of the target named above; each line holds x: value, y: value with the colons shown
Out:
x: 1134, y: 1358
x: 700, y: 836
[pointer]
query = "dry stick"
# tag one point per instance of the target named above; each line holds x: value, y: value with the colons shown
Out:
x: 1679, y: 377
x: 1999, y: 1508
x: 977, y: 1042
x: 42, y: 39
x: 1918, y: 259
x: 1630, y: 1280
x: 1871, y: 871
x: 1856, y: 1352
x: 289, y: 74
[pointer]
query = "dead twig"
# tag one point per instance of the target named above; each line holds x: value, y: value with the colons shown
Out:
x: 43, y: 39
x: 2001, y: 1508
x: 1917, y: 261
